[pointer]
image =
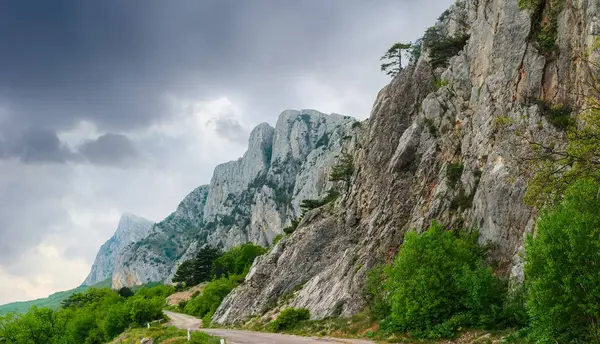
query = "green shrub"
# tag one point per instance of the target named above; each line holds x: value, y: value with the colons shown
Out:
x: 212, y: 296
x: 146, y: 310
x: 559, y: 115
x: 237, y: 261
x: 440, y: 83
x: 377, y: 297
x: 277, y: 238
x: 117, y: 320
x: 292, y: 227
x: 439, y: 283
x: 544, y: 20
x: 430, y: 125
x: 442, y: 49
x: 310, y: 204
x: 562, y: 269
x: 453, y: 173
x: 288, y: 319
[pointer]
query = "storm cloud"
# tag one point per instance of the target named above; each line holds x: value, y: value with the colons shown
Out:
x: 114, y: 106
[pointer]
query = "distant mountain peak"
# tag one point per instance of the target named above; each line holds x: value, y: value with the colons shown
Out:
x: 131, y: 228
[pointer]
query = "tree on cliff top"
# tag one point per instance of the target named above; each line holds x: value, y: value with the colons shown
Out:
x: 393, y: 59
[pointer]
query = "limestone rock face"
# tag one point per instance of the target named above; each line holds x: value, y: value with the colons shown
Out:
x: 477, y: 123
x: 248, y: 200
x: 150, y: 258
x: 131, y: 229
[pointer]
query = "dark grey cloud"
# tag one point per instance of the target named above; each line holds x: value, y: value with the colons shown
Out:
x: 229, y: 128
x: 112, y: 61
x: 111, y: 150
x: 36, y: 146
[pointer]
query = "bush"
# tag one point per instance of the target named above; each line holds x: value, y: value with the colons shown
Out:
x: 442, y: 49
x: 376, y: 295
x: 146, y: 310
x: 212, y: 296
x: 237, y: 261
x: 292, y: 227
x: 288, y: 319
x: 439, y: 283
x: 117, y: 320
x: 453, y: 173
x: 562, y: 269
x: 277, y: 238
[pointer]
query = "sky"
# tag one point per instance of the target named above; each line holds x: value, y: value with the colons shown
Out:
x: 119, y: 106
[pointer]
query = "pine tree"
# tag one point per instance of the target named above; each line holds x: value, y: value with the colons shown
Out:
x: 343, y: 170
x: 185, y: 273
x: 393, y: 59
x: 204, y: 263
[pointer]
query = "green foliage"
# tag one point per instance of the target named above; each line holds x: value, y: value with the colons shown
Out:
x: 559, y: 115
x: 393, y: 59
x: 430, y: 125
x: 292, y: 227
x: 288, y: 319
x: 162, y: 334
x: 544, y: 18
x: 343, y: 169
x: 198, y: 270
x: 310, y: 204
x: 453, y: 173
x: 558, y: 167
x: 277, y: 238
x: 502, y: 122
x: 377, y: 297
x: 125, y: 292
x: 440, y: 83
x: 562, y: 269
x: 237, y: 261
x: 439, y: 283
x: 212, y: 296
x: 145, y: 310
x: 462, y: 200
x: 93, y: 317
x: 443, y: 48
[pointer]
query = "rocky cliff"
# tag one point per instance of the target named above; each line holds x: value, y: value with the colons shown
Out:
x: 248, y: 200
x: 442, y: 143
x: 131, y: 229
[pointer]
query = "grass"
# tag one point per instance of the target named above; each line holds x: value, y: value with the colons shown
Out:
x: 164, y: 335
x: 364, y: 326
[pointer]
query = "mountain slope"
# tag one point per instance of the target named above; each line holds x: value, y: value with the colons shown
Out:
x: 130, y: 229
x: 248, y: 200
x: 53, y: 301
x: 430, y: 152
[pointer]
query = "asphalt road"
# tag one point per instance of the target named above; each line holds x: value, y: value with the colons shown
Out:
x: 183, y: 321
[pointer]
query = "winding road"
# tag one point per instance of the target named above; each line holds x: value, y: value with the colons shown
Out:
x: 185, y: 322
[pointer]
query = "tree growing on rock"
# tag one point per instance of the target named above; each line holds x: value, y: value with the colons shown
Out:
x: 393, y: 59
x: 343, y: 170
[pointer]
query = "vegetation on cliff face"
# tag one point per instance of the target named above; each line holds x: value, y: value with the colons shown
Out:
x: 227, y: 271
x: 439, y: 284
x: 93, y: 317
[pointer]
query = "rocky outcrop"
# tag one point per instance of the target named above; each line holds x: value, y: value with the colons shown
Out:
x: 151, y: 258
x: 453, y: 154
x: 131, y: 229
x: 248, y: 200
